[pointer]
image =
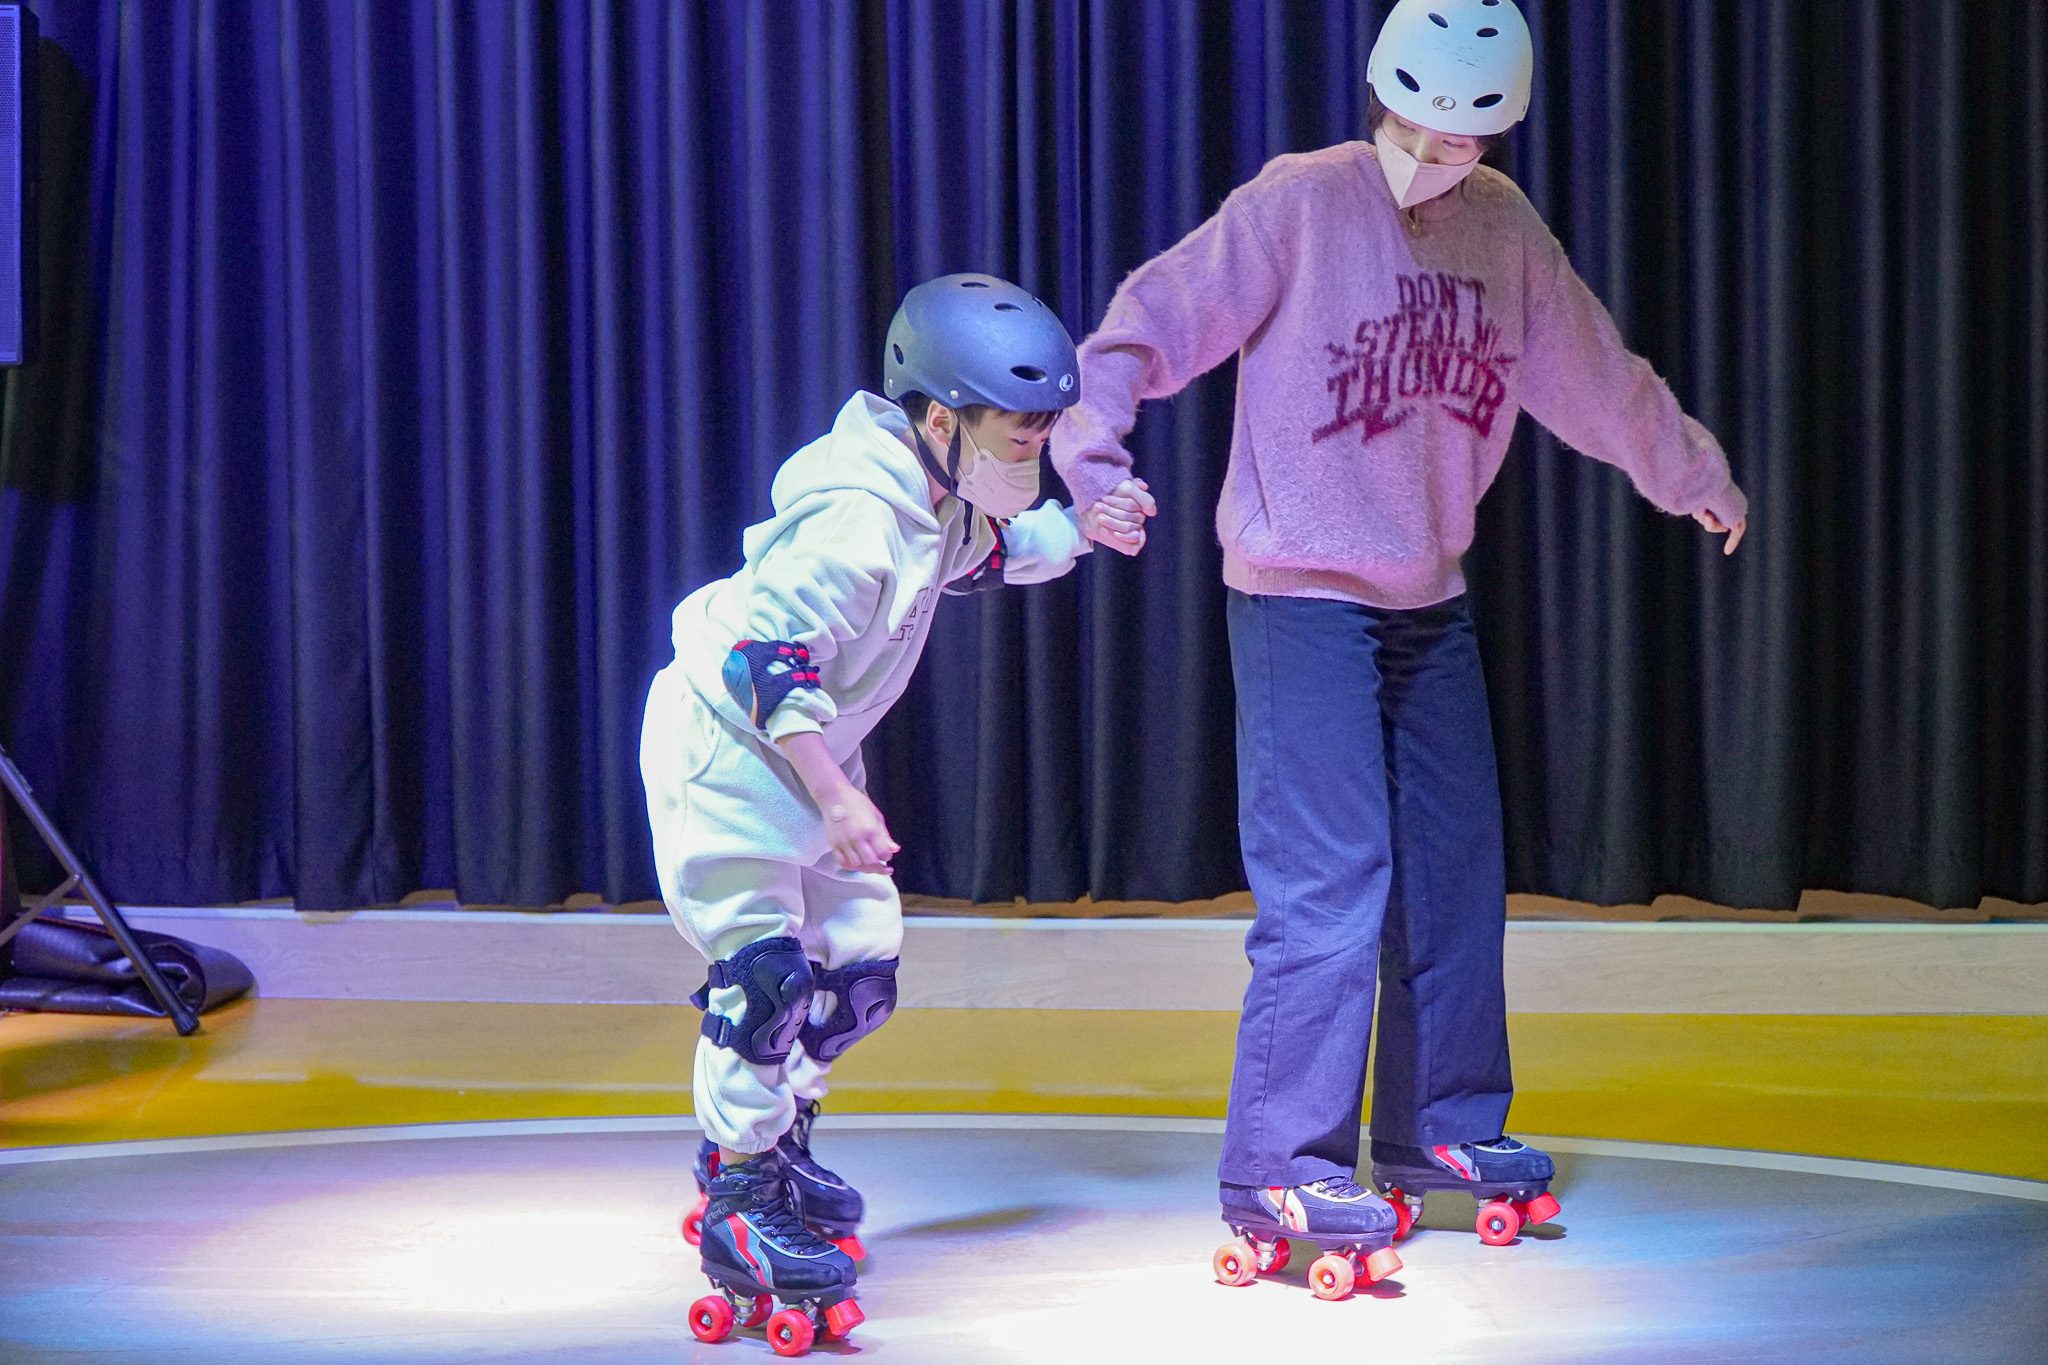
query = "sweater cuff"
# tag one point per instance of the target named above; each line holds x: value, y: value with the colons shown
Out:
x: 1093, y: 476
x: 1729, y: 506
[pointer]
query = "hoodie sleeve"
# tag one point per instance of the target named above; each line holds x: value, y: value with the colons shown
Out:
x: 1042, y: 544
x: 818, y: 585
x: 1598, y: 397
x: 1032, y: 547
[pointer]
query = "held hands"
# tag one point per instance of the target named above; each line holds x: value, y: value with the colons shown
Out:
x: 1714, y: 525
x: 859, y: 836
x: 1118, y: 520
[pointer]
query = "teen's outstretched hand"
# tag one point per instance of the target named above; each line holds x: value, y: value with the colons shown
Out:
x: 1714, y: 524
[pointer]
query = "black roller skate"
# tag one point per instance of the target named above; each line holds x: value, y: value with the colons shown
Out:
x: 758, y: 1252
x: 1353, y: 1228
x: 1510, y: 1181
x: 832, y: 1207
x: 705, y: 1167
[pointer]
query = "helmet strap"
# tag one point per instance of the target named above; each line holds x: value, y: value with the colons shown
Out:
x: 946, y: 475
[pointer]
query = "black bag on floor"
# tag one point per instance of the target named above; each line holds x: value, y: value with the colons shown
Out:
x: 79, y: 969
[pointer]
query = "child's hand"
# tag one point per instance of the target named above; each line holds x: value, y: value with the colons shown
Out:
x: 1714, y: 525
x: 859, y: 835
x: 1118, y: 520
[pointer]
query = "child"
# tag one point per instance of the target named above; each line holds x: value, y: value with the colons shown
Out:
x: 1395, y: 305
x: 772, y: 860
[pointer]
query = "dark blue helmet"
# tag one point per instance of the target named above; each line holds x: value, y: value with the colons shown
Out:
x: 964, y: 339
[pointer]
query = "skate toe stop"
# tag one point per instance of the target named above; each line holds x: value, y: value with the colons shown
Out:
x: 842, y: 1317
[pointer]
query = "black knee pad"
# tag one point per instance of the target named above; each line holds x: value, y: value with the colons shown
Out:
x: 777, y: 978
x: 863, y: 998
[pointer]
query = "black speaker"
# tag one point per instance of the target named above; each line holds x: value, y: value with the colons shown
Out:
x: 17, y: 183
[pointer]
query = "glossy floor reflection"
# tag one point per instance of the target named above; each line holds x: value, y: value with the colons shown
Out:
x: 1020, y: 1245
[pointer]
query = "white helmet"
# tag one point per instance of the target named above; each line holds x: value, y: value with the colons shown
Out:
x: 1455, y: 66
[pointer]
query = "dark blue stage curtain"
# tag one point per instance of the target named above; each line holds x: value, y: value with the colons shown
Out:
x: 404, y: 362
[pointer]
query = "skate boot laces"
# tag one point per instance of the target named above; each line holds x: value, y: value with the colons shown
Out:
x: 771, y: 1208
x: 1336, y: 1188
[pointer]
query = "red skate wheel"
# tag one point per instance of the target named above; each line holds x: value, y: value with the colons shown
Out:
x: 1541, y: 1209
x: 1332, y: 1276
x: 841, y: 1318
x: 1497, y: 1223
x: 693, y: 1221
x: 1381, y: 1264
x: 711, y: 1318
x: 1235, y: 1263
x: 852, y: 1247
x: 763, y: 1305
x: 790, y: 1332
x: 1282, y: 1250
x: 1404, y: 1213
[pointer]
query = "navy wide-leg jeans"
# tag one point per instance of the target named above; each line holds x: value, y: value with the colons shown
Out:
x: 1369, y: 808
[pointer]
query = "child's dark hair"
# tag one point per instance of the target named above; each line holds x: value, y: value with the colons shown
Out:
x: 1492, y: 147
x: 916, y: 405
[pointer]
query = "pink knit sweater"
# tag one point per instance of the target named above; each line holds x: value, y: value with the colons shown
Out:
x: 1384, y: 357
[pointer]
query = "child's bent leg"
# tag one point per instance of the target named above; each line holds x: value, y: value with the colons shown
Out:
x: 853, y: 927
x: 853, y: 930
x: 745, y: 915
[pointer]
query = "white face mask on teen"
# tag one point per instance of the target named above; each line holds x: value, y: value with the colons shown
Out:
x: 998, y: 487
x: 1415, y: 182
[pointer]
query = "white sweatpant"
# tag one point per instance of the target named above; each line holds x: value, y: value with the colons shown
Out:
x: 742, y: 855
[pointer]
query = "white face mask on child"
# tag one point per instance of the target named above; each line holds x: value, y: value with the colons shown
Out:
x: 997, y: 487
x: 1414, y: 182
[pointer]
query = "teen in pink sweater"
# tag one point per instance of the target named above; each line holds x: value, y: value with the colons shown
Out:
x: 1393, y: 305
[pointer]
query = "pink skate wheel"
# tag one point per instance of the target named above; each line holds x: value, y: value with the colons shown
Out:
x: 842, y: 1317
x: 693, y: 1221
x: 710, y: 1318
x: 1332, y: 1276
x: 790, y: 1332
x: 852, y: 1247
x: 1282, y: 1250
x: 1541, y: 1209
x: 763, y: 1305
x: 1235, y: 1263
x: 1381, y: 1264
x: 1404, y: 1213
x: 1497, y: 1223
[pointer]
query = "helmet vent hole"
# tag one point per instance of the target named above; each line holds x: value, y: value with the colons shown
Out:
x: 1029, y: 372
x: 1008, y: 308
x: 1414, y: 86
x: 1489, y: 3
x: 1439, y: 21
x: 1489, y: 33
x: 974, y: 284
x: 1486, y: 101
x: 899, y: 353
